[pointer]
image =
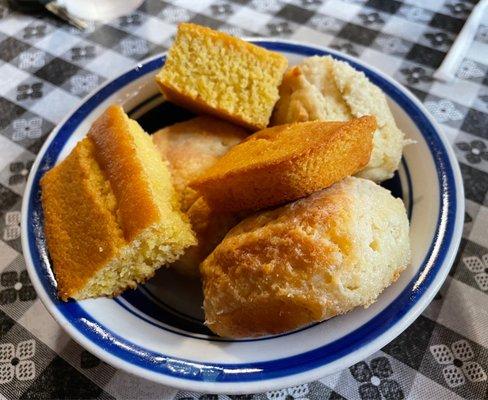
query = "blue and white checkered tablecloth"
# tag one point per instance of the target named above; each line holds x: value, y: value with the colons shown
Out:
x: 46, y: 68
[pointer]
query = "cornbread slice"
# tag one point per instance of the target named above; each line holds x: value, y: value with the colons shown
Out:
x: 193, y: 146
x: 326, y: 89
x: 219, y: 74
x: 111, y: 214
x: 307, y: 261
x: 286, y: 162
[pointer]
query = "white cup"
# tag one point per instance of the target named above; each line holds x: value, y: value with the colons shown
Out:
x: 99, y: 10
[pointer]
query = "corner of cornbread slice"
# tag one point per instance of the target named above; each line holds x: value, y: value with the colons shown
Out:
x: 216, y: 73
x: 111, y: 213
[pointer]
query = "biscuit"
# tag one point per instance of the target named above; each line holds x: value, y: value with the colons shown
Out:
x: 307, y: 261
x: 193, y: 146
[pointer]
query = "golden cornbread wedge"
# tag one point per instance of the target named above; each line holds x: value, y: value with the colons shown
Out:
x: 286, y: 162
x: 111, y: 214
x: 215, y: 73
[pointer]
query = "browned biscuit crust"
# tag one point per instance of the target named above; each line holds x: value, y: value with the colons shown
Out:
x: 306, y: 261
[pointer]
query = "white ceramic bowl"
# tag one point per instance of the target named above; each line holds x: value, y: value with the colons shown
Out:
x: 156, y: 331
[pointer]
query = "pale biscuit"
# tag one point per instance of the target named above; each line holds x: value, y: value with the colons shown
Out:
x: 307, y: 261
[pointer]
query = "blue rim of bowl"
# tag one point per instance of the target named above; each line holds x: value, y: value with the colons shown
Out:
x: 133, y: 354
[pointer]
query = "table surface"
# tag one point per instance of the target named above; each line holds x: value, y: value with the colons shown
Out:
x: 46, y: 68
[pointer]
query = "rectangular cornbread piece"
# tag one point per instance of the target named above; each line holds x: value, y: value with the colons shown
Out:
x: 111, y: 213
x: 286, y: 162
x: 219, y: 74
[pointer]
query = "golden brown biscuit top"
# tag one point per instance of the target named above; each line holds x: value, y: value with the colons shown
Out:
x: 192, y: 146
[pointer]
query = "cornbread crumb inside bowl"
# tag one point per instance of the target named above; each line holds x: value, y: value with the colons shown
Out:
x: 157, y: 332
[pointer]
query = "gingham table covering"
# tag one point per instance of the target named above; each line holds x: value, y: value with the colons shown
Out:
x: 46, y: 68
